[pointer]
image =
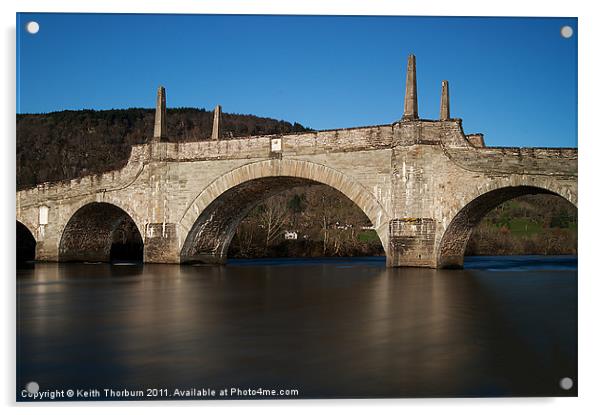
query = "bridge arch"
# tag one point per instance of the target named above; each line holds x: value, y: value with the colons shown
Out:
x: 473, y: 208
x: 26, y: 243
x: 99, y: 231
x: 211, y: 220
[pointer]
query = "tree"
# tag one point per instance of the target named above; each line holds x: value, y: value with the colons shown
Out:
x: 273, y: 214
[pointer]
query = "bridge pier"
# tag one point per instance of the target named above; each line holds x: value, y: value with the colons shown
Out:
x: 412, y: 243
x: 161, y: 243
x: 47, y: 251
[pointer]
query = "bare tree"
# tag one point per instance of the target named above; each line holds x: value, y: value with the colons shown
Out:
x: 328, y: 224
x: 273, y: 215
x: 244, y: 238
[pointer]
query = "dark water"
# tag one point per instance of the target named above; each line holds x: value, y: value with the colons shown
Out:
x: 504, y: 326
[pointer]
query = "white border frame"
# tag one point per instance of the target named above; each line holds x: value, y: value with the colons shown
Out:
x: 590, y: 280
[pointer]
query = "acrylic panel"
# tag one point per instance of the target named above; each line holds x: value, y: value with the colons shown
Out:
x: 295, y: 207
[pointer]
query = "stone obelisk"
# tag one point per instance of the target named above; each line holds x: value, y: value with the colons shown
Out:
x: 160, y: 126
x: 217, y: 123
x: 410, y: 107
x: 444, y: 109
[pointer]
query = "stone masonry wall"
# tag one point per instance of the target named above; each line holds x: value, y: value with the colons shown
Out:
x: 412, y: 177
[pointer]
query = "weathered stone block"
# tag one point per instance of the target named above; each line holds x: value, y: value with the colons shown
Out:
x: 412, y: 242
x: 161, y: 243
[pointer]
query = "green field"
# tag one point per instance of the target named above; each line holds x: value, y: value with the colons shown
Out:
x: 367, y: 236
x: 523, y: 227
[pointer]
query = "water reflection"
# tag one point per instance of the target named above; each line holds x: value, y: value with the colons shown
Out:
x: 331, y: 328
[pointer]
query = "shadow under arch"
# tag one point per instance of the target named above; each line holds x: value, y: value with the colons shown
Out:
x: 100, y: 232
x: 26, y: 244
x: 211, y: 221
x: 453, y: 243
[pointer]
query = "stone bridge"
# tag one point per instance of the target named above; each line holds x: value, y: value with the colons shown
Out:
x: 424, y: 185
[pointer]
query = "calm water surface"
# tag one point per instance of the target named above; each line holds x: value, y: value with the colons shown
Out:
x: 504, y: 326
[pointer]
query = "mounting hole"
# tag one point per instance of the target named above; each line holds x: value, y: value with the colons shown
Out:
x: 566, y: 383
x: 566, y: 32
x: 32, y: 387
x: 32, y: 27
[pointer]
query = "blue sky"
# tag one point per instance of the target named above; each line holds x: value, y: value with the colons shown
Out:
x: 513, y: 79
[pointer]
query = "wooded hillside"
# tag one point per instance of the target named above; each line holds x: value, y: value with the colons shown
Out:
x: 70, y: 144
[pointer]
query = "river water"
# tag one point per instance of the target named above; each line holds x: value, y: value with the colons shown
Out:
x: 503, y: 326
